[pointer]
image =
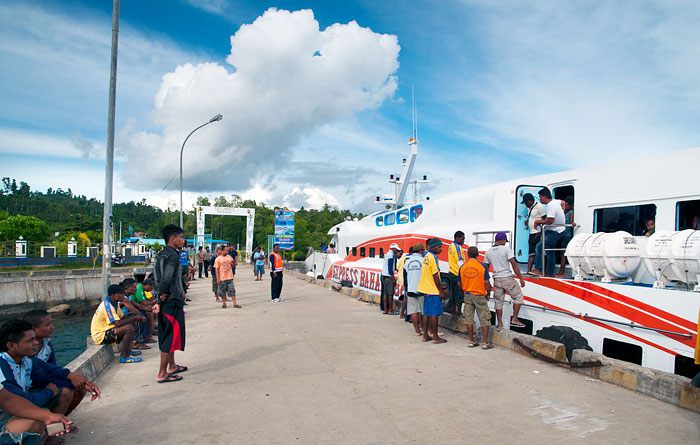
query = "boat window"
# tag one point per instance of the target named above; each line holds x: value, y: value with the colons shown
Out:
x: 362, y: 252
x: 416, y: 211
x: 621, y: 350
x: 371, y: 252
x: 379, y: 221
x: 688, y: 215
x: 631, y: 219
x: 521, y: 234
x: 354, y: 251
x: 347, y: 251
x: 402, y: 216
x: 381, y: 252
x: 389, y: 219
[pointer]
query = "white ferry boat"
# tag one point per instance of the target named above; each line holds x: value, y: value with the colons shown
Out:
x: 633, y: 298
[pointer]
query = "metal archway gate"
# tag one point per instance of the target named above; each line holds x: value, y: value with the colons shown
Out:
x: 203, y: 211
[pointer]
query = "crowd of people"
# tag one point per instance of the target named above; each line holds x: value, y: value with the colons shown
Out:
x: 425, y: 296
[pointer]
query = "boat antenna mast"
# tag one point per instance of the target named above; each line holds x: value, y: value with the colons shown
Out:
x: 402, y: 182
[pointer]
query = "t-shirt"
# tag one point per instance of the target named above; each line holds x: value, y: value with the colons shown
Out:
x: 259, y: 258
x: 457, y: 257
x: 537, y: 211
x: 399, y: 269
x: 233, y: 254
x: 140, y: 295
x: 46, y: 353
x: 555, y: 211
x: 184, y: 258
x: 223, y: 264
x: 412, y: 267
x: 426, y: 284
x: 103, y: 320
x: 472, y: 277
x: 499, y: 258
x: 206, y: 255
x: 389, y: 266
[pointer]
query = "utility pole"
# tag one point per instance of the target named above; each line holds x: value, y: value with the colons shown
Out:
x: 109, y: 163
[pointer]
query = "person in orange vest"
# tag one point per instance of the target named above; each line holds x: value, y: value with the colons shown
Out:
x: 474, y: 281
x: 276, y: 268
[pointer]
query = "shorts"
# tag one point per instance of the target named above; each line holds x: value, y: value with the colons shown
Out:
x: 389, y: 286
x: 214, y: 284
x: 432, y: 305
x: 532, y: 243
x: 171, y: 326
x: 503, y: 285
x: 479, y: 304
x: 414, y: 304
x: 226, y: 289
x: 457, y: 294
x: 111, y: 337
x: 8, y: 438
x: 259, y: 269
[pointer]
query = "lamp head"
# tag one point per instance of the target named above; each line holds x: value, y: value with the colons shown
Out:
x: 218, y: 117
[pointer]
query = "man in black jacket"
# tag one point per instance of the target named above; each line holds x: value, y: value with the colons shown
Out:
x: 169, y: 304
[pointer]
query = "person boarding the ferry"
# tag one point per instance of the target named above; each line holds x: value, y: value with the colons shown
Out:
x: 276, y: 272
x: 474, y: 281
x: 535, y: 211
x: 553, y: 226
x: 388, y: 279
x: 455, y: 253
x: 502, y: 260
x: 169, y: 304
x: 430, y: 286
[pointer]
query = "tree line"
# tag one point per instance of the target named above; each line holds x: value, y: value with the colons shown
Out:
x: 38, y: 216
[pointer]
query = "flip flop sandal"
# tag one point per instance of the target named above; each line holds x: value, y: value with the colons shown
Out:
x: 473, y: 344
x: 170, y: 378
x: 425, y: 340
x: 179, y: 369
x: 487, y: 346
x: 441, y: 341
x: 517, y: 325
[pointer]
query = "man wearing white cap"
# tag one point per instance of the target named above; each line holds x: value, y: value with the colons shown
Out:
x: 388, y: 279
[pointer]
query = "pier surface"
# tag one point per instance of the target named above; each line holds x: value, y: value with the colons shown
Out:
x: 322, y: 367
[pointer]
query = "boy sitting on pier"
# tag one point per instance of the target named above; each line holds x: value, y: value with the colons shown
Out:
x: 45, y: 385
x: 110, y: 326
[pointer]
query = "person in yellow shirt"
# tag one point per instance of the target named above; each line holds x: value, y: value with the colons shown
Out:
x: 456, y: 255
x: 430, y: 286
x: 109, y: 326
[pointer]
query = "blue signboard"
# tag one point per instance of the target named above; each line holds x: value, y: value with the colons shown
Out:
x: 284, y: 229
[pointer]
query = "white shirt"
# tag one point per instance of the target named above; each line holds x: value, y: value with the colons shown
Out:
x: 413, y: 267
x: 385, y: 267
x: 555, y: 211
x: 499, y: 258
x: 537, y: 211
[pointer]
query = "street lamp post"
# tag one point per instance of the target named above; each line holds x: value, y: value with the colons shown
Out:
x: 216, y: 118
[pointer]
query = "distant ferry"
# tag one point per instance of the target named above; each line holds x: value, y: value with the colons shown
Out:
x: 634, y: 298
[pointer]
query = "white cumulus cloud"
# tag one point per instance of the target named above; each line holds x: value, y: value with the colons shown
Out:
x: 286, y: 79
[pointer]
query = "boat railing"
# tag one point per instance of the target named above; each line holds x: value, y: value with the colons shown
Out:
x: 551, y: 249
x: 491, y: 237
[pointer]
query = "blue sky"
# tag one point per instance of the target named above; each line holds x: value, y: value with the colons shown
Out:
x: 316, y: 95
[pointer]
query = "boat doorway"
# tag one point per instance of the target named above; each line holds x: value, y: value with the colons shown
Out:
x: 521, y: 233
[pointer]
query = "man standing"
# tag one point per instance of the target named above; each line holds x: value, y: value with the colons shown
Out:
x: 553, y: 228
x: 207, y: 257
x: 455, y: 254
x: 502, y: 260
x: 224, y: 279
x: 259, y: 263
x: 414, y: 301
x: 234, y: 256
x: 388, y: 279
x: 200, y: 260
x: 110, y: 326
x: 276, y: 269
x: 430, y: 286
x: 535, y: 211
x: 474, y: 281
x: 169, y: 304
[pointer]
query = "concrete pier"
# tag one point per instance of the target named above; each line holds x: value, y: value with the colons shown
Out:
x: 322, y: 367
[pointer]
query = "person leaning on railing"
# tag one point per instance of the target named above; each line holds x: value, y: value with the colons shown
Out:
x: 553, y: 226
